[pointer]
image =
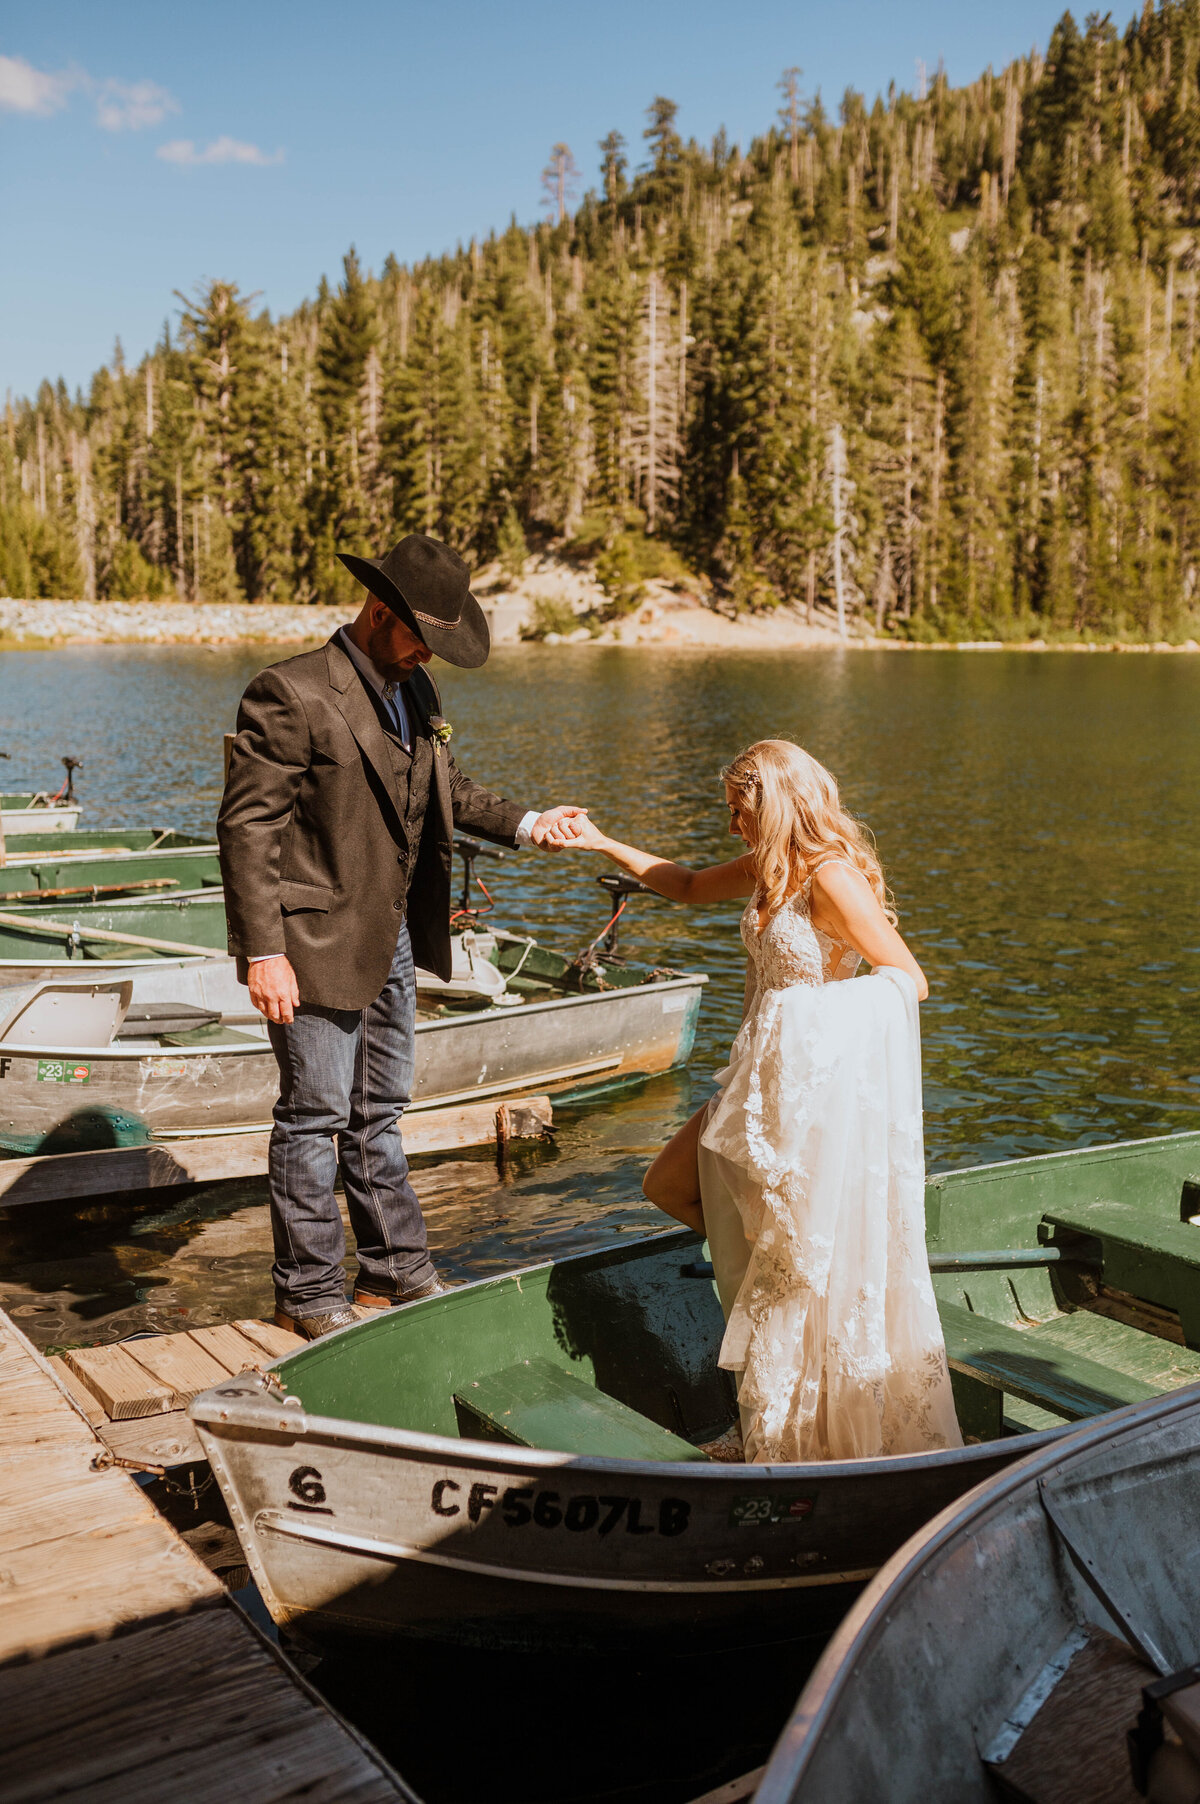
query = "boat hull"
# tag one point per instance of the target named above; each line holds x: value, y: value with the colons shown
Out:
x: 101, y: 1097
x: 356, y: 1529
x: 40, y: 820
x: 945, y: 1659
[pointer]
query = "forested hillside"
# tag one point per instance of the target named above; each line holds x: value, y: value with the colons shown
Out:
x: 934, y: 360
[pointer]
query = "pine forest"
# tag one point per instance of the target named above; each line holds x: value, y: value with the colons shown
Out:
x: 930, y: 364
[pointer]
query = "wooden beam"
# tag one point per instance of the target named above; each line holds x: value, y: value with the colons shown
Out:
x: 229, y: 1348
x: 77, y: 1390
x: 59, y: 1177
x: 275, y: 1342
x: 177, y: 1362
x: 124, y: 1387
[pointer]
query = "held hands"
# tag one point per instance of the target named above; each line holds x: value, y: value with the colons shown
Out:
x: 273, y: 989
x: 557, y: 828
x: 587, y: 836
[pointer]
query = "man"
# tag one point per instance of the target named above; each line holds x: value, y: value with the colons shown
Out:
x: 336, y: 832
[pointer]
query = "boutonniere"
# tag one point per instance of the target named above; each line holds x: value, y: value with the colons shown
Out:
x: 440, y: 729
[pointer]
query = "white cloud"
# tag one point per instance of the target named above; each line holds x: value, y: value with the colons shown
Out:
x: 131, y: 105
x: 222, y: 150
x: 24, y: 89
x: 120, y: 105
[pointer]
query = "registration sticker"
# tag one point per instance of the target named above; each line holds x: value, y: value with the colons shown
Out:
x: 755, y: 1512
x: 675, y: 1002
x: 164, y: 1068
x: 62, y: 1071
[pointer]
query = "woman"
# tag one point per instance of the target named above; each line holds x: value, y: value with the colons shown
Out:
x: 806, y: 1170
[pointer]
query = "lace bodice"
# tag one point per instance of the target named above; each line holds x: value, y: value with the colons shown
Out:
x: 790, y: 949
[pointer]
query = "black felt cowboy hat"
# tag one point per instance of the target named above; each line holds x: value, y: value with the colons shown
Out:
x: 428, y: 586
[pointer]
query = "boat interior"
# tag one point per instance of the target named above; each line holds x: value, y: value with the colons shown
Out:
x: 26, y: 848
x: 123, y: 1014
x: 492, y: 968
x: 1068, y: 1285
x: 76, y: 928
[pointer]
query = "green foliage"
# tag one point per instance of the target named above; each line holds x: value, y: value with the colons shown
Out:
x: 130, y: 576
x: 629, y: 561
x: 39, y: 561
x: 511, y: 547
x: 550, y: 616
x: 944, y: 350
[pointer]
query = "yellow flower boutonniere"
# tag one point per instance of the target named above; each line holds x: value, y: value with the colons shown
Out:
x: 440, y: 729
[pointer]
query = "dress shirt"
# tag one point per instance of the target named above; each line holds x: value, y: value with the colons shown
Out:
x: 392, y: 697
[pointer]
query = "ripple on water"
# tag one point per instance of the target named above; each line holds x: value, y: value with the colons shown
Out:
x: 1039, y: 818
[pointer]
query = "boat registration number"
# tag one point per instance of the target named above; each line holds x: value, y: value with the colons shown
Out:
x: 753, y: 1512
x: 519, y: 1506
x: 62, y: 1071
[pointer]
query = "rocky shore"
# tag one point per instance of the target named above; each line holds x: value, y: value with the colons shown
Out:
x: 553, y: 604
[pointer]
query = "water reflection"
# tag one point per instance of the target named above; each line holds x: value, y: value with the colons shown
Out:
x: 1039, y: 818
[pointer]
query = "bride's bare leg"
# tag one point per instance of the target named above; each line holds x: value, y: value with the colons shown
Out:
x: 672, y: 1183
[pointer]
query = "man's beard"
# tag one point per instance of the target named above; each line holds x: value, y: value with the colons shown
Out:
x: 377, y: 651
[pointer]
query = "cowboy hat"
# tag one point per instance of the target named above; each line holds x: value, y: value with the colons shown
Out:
x: 428, y: 586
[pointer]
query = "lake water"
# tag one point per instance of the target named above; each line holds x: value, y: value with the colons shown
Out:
x: 1039, y: 820
x: 1038, y: 817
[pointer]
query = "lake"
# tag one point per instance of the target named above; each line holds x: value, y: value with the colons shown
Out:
x: 1038, y: 817
x: 1039, y: 820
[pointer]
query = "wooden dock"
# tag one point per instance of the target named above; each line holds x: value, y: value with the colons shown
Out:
x: 134, y: 1394
x: 126, y: 1671
x: 217, y: 1158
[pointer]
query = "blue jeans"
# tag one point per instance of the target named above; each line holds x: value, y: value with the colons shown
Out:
x: 345, y: 1077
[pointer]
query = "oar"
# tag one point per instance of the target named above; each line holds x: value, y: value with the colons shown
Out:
x: 99, y: 889
x: 28, y: 922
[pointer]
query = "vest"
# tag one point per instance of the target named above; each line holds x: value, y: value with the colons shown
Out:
x: 412, y: 775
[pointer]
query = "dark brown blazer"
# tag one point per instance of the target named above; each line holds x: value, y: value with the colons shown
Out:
x: 313, y: 844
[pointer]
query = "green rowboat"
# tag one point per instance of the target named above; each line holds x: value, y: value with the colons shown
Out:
x: 30, y: 848
x: 518, y: 1463
x: 60, y: 936
x: 74, y: 878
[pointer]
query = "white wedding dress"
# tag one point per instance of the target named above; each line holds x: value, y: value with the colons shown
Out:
x: 812, y: 1180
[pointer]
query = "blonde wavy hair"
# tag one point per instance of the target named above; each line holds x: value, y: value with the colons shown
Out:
x: 792, y: 806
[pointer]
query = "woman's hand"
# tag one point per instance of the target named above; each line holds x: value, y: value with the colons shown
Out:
x: 587, y: 836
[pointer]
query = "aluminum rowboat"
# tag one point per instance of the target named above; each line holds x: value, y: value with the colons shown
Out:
x: 994, y: 1617
x: 368, y: 1504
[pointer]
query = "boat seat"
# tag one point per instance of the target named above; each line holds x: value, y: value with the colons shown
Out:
x: 1036, y: 1371
x: 1148, y: 1256
x: 538, y: 1404
x: 151, y: 1018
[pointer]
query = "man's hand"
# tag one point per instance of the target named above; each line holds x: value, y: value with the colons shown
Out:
x: 273, y: 989
x: 556, y: 828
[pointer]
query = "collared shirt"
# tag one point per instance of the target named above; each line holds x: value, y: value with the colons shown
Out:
x: 392, y: 697
x: 391, y: 694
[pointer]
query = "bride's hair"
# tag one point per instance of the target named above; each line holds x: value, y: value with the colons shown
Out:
x: 798, y: 820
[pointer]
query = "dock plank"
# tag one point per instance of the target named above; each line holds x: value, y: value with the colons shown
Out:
x: 228, y: 1347
x: 169, y: 1440
x: 174, y: 1360
x: 110, y: 1725
x: 275, y: 1342
x: 219, y: 1158
x: 126, y: 1673
x: 124, y: 1387
x: 89, y: 1403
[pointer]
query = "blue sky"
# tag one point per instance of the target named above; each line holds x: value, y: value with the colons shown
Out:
x: 144, y: 147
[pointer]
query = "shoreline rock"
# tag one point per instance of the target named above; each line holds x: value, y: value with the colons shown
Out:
x: 664, y: 618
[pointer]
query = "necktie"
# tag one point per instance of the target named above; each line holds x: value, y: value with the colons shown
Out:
x: 391, y: 695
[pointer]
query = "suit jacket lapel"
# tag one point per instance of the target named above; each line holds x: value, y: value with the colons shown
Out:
x: 354, y: 704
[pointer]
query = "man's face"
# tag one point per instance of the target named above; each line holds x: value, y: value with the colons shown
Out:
x: 391, y: 646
